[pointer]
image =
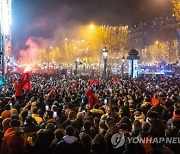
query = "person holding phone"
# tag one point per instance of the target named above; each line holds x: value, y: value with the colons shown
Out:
x: 55, y: 114
x: 47, y: 107
x: 36, y: 116
x: 48, y: 118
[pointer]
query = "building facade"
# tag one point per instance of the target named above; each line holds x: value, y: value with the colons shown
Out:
x: 5, y: 34
x: 160, y: 29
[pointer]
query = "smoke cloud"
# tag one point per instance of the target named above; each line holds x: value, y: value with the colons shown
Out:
x: 31, y: 55
x: 41, y: 24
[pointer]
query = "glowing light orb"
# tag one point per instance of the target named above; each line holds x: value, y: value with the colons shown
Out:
x: 91, y: 26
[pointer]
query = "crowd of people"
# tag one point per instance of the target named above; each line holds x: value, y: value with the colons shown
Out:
x: 65, y: 115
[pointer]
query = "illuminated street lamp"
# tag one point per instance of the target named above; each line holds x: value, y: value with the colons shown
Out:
x: 122, y: 66
x: 91, y: 26
x: 105, y: 54
x: 157, y: 42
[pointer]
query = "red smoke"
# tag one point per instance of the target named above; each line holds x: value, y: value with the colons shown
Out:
x: 32, y: 55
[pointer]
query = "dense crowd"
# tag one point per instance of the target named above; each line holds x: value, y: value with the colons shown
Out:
x: 61, y: 115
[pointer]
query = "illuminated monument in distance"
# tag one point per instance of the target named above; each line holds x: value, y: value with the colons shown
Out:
x: 133, y: 63
x: 5, y: 34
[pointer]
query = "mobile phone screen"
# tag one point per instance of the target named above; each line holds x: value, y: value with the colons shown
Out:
x: 84, y: 112
x: 54, y: 114
x: 47, y: 107
x: 29, y: 112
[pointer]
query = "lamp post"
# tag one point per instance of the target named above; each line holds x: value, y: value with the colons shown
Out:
x: 49, y: 56
x: 80, y: 68
x: 84, y: 67
x: 122, y: 66
x: 159, y: 50
x: 76, y: 66
x: 53, y: 65
x: 105, y: 54
x: 44, y: 66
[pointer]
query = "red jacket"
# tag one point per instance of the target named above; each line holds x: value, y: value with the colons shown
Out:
x: 74, y: 85
x: 53, y: 89
x: 18, y: 86
x: 92, y: 98
x: 24, y: 83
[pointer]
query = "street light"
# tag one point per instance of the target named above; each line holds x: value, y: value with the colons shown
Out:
x: 48, y: 56
x: 76, y: 66
x: 91, y: 26
x: 84, y: 67
x: 53, y: 65
x: 44, y: 66
x: 157, y: 42
x: 105, y: 54
x: 122, y: 66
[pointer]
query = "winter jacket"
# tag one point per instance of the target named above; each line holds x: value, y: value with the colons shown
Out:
x: 37, y: 118
x: 5, y: 114
x: 28, y: 128
x: 68, y: 145
x: 18, y: 89
x: 43, y: 141
x: 24, y: 83
x: 141, y: 118
x: 84, y: 100
x: 14, y: 141
x: 98, y: 149
x: 92, y: 98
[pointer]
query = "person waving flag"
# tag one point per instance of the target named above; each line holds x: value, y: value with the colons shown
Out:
x: 23, y: 83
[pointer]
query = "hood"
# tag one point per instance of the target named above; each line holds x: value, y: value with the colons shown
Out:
x: 69, y: 139
x: 12, y: 131
x: 88, y: 92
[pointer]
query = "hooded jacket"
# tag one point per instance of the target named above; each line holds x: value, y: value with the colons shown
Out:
x: 18, y: 86
x: 141, y: 118
x: 14, y: 141
x: 92, y: 98
x: 68, y: 145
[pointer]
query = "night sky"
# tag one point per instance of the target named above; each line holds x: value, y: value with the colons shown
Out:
x: 46, y: 18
